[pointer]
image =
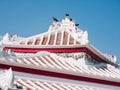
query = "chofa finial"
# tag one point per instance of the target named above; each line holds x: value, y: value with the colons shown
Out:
x: 55, y: 19
x: 76, y: 24
x: 67, y: 14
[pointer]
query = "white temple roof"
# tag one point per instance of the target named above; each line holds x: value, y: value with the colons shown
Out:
x: 24, y: 81
x: 60, y: 35
x: 51, y: 85
x: 50, y: 62
x: 42, y: 54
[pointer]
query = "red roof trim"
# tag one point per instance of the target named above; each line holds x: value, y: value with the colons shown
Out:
x: 55, y: 50
x: 59, y: 75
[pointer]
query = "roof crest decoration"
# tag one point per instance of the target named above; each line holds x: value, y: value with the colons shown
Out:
x: 69, y: 25
x: 11, y: 38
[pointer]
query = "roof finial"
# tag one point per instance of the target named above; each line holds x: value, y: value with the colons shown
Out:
x: 67, y: 15
x: 76, y: 24
x: 55, y: 19
x: 70, y: 19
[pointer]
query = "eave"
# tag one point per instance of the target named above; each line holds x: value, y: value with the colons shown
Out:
x: 38, y: 71
x: 88, y: 48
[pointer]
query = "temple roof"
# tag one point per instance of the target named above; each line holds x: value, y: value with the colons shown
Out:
x: 51, y: 64
x: 61, y: 37
x: 31, y: 84
x: 26, y: 82
x: 63, y: 52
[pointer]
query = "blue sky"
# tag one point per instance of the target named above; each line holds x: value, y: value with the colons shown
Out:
x: 101, y: 18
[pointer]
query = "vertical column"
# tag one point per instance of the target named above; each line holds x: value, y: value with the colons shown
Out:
x: 26, y: 42
x: 62, y: 37
x: 34, y: 41
x: 55, y: 38
x: 74, y: 41
x: 48, y: 39
x: 41, y: 40
x: 68, y: 39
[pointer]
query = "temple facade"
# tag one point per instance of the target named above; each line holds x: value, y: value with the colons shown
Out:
x: 60, y: 59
